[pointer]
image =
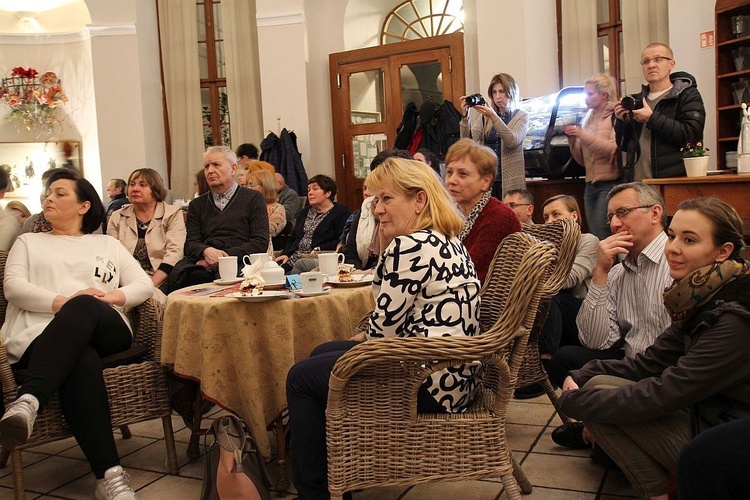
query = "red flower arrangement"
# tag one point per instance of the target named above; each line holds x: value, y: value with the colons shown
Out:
x: 32, y: 100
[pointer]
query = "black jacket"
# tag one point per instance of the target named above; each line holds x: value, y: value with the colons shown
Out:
x: 678, y: 118
x: 699, y: 363
x: 283, y: 154
x: 326, y: 236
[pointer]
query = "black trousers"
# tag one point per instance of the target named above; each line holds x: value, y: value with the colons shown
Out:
x: 66, y: 358
x: 570, y: 358
x: 715, y: 464
x: 307, y: 397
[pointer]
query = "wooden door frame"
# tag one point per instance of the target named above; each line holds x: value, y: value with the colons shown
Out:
x: 454, y: 42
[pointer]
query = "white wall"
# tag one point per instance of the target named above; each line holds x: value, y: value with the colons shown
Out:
x: 687, y: 18
x: 518, y: 38
x: 281, y: 45
x: 128, y: 88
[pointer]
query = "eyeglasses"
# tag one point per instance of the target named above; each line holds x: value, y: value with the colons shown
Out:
x: 621, y: 213
x: 252, y: 185
x: 656, y: 59
x: 514, y: 205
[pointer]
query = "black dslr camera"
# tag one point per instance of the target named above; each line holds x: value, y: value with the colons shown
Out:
x: 475, y: 100
x: 631, y: 102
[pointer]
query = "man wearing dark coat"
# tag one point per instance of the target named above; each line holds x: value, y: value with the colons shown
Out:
x: 668, y: 114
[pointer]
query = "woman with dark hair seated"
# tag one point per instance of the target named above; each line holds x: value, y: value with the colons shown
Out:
x: 415, y: 296
x: 696, y: 375
x: 65, y: 312
x: 469, y: 174
x: 319, y: 226
x: 151, y: 230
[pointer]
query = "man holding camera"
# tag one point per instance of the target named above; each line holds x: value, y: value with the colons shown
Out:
x: 652, y: 126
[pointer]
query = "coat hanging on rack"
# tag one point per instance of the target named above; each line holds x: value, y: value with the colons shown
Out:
x: 435, y: 127
x: 282, y: 153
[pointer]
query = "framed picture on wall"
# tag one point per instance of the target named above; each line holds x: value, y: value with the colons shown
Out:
x: 26, y: 161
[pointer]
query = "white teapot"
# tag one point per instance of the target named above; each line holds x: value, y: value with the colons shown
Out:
x: 272, y: 273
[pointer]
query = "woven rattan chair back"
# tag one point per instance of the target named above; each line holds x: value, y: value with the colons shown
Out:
x: 137, y: 392
x: 564, y: 234
x: 375, y: 435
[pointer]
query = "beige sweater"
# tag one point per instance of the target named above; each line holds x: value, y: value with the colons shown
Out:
x: 513, y: 173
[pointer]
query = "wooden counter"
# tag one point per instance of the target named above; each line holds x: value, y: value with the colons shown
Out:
x: 732, y: 188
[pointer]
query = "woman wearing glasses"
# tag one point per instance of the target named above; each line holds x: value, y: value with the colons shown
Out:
x: 642, y: 410
x: 502, y: 127
x: 593, y: 146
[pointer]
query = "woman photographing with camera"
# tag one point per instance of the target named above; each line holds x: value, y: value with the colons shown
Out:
x: 502, y: 127
x: 593, y: 146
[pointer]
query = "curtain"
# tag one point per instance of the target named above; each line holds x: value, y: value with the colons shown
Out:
x: 242, y: 71
x: 580, y: 58
x: 179, y: 43
x: 643, y: 22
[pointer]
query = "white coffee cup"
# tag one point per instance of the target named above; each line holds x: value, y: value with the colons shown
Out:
x: 329, y: 263
x: 228, y: 267
x: 312, y: 282
x: 255, y: 257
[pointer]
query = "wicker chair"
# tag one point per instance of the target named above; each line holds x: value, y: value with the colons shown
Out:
x: 564, y: 235
x: 137, y: 391
x: 375, y: 436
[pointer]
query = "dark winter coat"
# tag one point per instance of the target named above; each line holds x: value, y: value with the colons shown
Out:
x: 282, y: 153
x: 678, y: 118
x: 700, y: 363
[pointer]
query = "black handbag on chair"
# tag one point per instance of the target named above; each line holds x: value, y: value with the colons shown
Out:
x: 234, y: 467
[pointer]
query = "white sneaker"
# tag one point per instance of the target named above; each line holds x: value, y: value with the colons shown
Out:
x: 18, y: 421
x: 115, y: 485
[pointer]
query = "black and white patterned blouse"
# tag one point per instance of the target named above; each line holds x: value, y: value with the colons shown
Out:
x: 425, y: 285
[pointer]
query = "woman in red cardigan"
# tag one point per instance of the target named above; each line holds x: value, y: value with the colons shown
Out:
x: 469, y: 173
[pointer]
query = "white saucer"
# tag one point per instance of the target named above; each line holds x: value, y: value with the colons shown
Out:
x: 230, y: 281
x: 258, y: 298
x: 326, y: 289
x: 359, y: 280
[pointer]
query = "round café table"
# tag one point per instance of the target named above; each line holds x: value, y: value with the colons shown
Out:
x: 241, y: 352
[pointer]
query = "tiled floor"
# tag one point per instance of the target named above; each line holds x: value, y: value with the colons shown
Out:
x: 57, y: 470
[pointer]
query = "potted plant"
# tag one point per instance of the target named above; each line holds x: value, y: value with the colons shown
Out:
x: 695, y: 157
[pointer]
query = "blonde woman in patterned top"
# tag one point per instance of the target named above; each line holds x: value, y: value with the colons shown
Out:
x: 151, y: 230
x: 265, y: 183
x: 425, y: 285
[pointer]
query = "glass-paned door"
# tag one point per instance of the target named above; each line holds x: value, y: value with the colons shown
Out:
x: 370, y: 91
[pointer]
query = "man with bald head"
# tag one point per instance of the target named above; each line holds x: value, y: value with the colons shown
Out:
x: 228, y: 220
x: 287, y: 197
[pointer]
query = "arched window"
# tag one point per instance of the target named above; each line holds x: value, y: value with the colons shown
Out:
x: 415, y: 19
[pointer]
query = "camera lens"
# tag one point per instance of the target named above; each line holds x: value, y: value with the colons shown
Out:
x: 628, y: 102
x: 475, y: 100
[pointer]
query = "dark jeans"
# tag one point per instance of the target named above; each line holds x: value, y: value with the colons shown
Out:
x: 573, y: 358
x: 715, y: 464
x: 560, y: 328
x: 595, y: 206
x: 66, y: 358
x: 307, y: 397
